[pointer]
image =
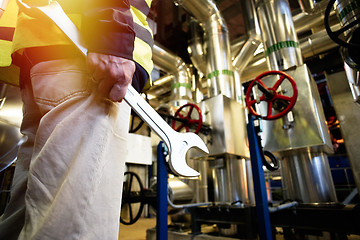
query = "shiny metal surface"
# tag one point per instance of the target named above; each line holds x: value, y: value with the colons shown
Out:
x: 201, y: 186
x: 279, y: 36
x: 227, y: 120
x: 202, y: 10
x: 316, y: 43
x: 3, y: 88
x: 170, y: 63
x: 310, y: 46
x: 177, y: 143
x: 10, y: 141
x: 179, y: 192
x: 218, y: 58
x: 305, y: 22
x: 353, y: 76
x: 164, y: 59
x: 309, y: 128
x: 237, y: 44
x: 348, y: 115
x: 306, y: 177
x: 10, y: 119
x: 219, y: 69
x: 347, y: 12
x: 246, y: 53
x: 161, y: 85
x: 312, y: 6
x: 230, y: 177
x: 196, y: 47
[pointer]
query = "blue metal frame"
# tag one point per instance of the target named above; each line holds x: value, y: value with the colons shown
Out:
x: 261, y: 200
x: 162, y: 188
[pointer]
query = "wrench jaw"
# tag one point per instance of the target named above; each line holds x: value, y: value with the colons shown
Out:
x: 177, y: 161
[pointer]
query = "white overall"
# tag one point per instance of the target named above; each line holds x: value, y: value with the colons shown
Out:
x: 69, y: 174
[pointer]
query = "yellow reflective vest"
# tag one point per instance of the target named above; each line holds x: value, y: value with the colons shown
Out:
x: 9, y: 73
x: 31, y: 32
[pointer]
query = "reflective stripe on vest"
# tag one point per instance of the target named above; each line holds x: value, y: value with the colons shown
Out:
x: 7, y: 33
x: 143, y: 34
x: 141, y: 5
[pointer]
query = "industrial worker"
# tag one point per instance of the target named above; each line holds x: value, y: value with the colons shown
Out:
x: 69, y: 173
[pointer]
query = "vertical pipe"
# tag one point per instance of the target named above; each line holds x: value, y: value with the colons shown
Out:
x: 307, y: 178
x: 169, y: 62
x: 195, y: 48
x: 219, y: 70
x: 247, y: 51
x: 282, y: 48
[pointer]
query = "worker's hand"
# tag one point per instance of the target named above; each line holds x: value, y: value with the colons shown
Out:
x: 113, y: 74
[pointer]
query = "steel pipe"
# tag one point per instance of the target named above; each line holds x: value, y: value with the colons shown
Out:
x: 219, y: 71
x: 246, y: 53
x: 282, y: 48
x: 170, y: 63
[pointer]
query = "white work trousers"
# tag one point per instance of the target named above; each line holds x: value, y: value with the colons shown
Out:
x: 69, y: 174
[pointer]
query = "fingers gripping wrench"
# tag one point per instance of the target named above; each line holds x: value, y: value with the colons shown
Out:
x: 177, y: 143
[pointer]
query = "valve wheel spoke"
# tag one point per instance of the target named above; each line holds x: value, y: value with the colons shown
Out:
x: 197, y: 123
x: 269, y: 109
x: 279, y: 82
x: 131, y: 198
x: 274, y: 100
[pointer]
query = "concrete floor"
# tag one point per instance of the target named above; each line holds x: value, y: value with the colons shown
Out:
x: 136, y: 231
x: 144, y: 229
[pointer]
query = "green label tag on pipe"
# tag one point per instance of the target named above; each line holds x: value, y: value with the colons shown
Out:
x: 352, y: 6
x: 216, y: 73
x: 178, y: 85
x: 281, y: 45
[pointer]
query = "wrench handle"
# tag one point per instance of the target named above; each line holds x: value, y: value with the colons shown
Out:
x: 148, y: 115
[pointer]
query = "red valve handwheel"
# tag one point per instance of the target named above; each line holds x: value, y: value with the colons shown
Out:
x: 275, y: 96
x: 185, y: 113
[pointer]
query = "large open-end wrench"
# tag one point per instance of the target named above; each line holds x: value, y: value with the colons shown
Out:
x: 177, y: 143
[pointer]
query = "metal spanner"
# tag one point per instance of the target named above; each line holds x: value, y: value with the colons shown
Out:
x: 177, y: 143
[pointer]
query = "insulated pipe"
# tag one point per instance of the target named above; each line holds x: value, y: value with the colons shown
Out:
x: 310, y: 46
x: 282, y: 48
x: 170, y: 63
x: 219, y: 69
x: 315, y: 44
x: 246, y: 53
x: 312, y: 6
x: 161, y: 85
x: 195, y: 48
x: 306, y: 177
x: 304, y: 22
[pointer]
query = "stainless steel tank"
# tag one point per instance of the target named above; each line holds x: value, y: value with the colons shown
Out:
x: 307, y: 178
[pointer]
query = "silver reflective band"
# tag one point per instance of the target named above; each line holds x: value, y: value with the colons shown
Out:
x: 141, y: 5
x: 143, y: 34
